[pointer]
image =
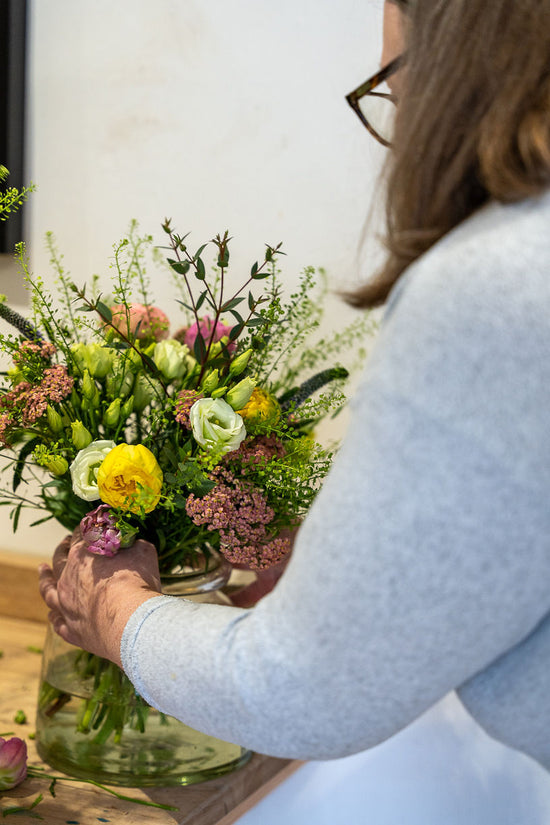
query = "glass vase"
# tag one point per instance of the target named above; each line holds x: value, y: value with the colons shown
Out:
x: 92, y: 724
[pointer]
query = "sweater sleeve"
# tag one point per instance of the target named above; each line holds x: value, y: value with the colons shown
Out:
x: 424, y: 557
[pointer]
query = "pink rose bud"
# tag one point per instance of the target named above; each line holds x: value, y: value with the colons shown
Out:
x: 145, y: 322
x: 13, y: 762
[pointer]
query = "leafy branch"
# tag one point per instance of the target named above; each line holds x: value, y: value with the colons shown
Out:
x: 184, y: 262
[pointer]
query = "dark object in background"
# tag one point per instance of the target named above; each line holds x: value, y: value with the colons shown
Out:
x: 13, y: 37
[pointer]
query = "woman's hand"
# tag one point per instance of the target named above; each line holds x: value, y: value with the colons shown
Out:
x: 92, y: 597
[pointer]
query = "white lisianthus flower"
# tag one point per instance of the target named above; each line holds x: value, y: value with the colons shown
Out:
x: 85, y: 466
x: 171, y: 358
x: 216, y: 426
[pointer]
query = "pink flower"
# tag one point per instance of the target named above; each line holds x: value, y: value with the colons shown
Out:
x: 26, y: 404
x: 241, y: 514
x: 99, y: 531
x: 257, y: 450
x: 149, y: 322
x: 56, y: 385
x: 205, y: 328
x: 184, y: 401
x: 13, y: 762
x: 257, y: 556
x: 44, y: 350
x: 5, y: 423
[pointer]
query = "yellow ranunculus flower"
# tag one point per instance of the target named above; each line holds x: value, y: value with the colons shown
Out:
x: 130, y: 478
x: 261, y: 412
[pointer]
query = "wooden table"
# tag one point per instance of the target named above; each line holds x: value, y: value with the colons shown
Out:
x: 216, y: 802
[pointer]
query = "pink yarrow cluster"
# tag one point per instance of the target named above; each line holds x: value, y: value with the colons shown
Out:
x: 25, y: 403
x: 44, y: 349
x: 239, y: 511
x: 258, y: 450
x: 184, y: 401
x: 99, y: 531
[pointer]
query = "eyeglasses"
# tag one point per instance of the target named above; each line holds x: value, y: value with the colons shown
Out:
x: 376, y: 109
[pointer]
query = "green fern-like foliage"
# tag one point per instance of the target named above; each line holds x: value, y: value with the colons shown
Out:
x: 12, y: 198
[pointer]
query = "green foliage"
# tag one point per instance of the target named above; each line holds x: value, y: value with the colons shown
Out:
x: 12, y: 199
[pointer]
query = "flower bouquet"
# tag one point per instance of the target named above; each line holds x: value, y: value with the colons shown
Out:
x: 200, y: 442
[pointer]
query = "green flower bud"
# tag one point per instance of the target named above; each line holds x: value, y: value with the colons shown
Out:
x: 217, y: 393
x: 120, y: 381
x: 171, y: 358
x: 15, y: 375
x: 111, y: 416
x: 89, y: 389
x: 149, y: 349
x: 55, y: 422
x: 127, y: 408
x: 98, y: 360
x: 239, y: 395
x: 240, y: 363
x: 210, y: 382
x: 81, y: 437
x: 56, y: 465
x: 133, y: 359
x: 146, y: 389
x: 75, y: 399
x: 215, y: 350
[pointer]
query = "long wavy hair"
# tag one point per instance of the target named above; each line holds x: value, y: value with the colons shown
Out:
x: 473, y: 122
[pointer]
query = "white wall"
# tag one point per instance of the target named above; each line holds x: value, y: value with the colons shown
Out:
x: 221, y: 114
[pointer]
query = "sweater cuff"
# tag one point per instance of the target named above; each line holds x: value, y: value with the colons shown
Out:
x: 128, y: 642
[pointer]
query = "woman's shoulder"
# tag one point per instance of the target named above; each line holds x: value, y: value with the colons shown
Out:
x: 498, y: 258
x: 499, y: 229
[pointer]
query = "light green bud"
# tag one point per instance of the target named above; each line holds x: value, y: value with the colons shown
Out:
x: 98, y: 360
x: 127, y: 408
x: 56, y: 465
x: 15, y: 375
x: 215, y: 350
x: 120, y: 381
x: 81, y: 437
x: 217, y: 393
x: 133, y: 359
x: 149, y: 349
x: 111, y: 416
x: 89, y: 388
x: 171, y: 358
x: 210, y: 382
x: 75, y: 399
x: 146, y: 389
x: 240, y: 394
x: 240, y: 363
x: 55, y: 422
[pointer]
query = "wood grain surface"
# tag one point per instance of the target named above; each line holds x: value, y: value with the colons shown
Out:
x: 19, y: 597
x: 216, y: 802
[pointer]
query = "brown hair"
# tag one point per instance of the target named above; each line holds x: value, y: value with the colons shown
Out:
x: 473, y: 122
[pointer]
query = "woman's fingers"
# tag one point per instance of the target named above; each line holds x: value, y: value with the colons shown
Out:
x: 48, y: 587
x: 60, y: 557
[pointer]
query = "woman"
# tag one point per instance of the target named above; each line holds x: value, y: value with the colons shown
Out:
x: 424, y: 564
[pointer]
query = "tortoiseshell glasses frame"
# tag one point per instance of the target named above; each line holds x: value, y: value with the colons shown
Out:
x: 368, y: 88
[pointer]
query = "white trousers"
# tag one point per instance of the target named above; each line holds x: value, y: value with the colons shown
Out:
x: 441, y: 770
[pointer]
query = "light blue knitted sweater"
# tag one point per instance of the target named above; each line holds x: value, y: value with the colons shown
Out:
x: 424, y: 565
